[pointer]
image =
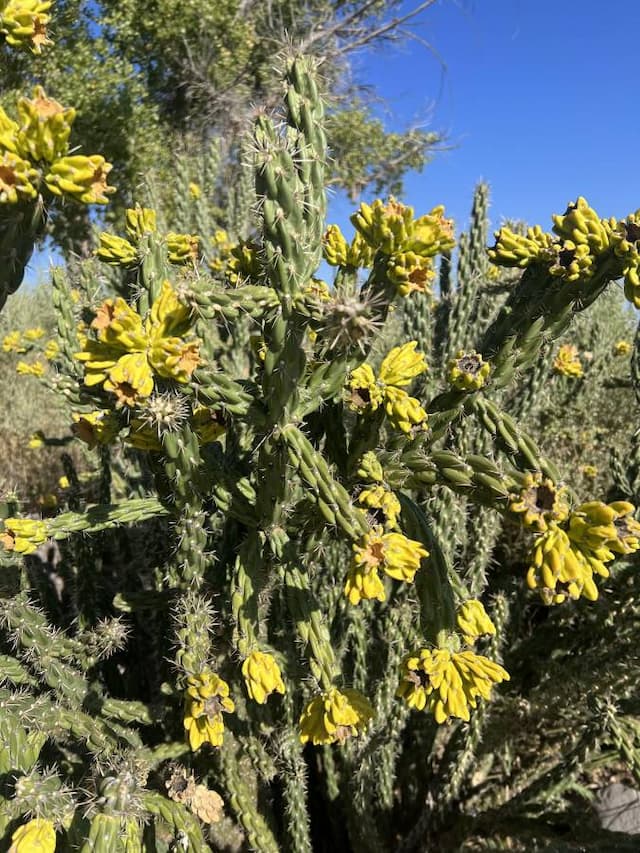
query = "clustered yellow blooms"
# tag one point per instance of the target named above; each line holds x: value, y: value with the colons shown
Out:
x: 383, y: 505
x: 36, y: 836
x: 37, y: 368
x: 262, y: 676
x: 567, y: 362
x: 34, y: 150
x: 140, y: 221
x: 447, y: 683
x: 23, y: 535
x: 338, y: 253
x: 13, y: 342
x: 474, y: 621
x: 22, y: 342
x: 407, y: 245
x: 206, y: 699
x: 23, y: 23
x: 540, y: 502
x: 129, y: 353
x: 582, y: 240
x: 468, y: 371
x: 622, y: 348
x: 333, y: 716
x: 393, y: 553
x: 564, y: 560
x: 399, y: 368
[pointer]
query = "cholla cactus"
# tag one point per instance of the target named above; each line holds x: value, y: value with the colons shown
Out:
x: 286, y: 507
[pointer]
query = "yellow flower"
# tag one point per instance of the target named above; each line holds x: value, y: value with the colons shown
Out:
x: 94, y: 428
x: 567, y: 362
x: 582, y: 225
x: 474, y: 621
x: 401, y: 365
x: 17, y: 178
x: 338, y: 253
x: 393, y: 553
x: 194, y: 190
x: 622, y: 348
x: 520, y: 250
x: 364, y: 392
x: 540, y: 502
x: 208, y: 424
x: 34, y: 334
x: 51, y: 350
x: 23, y: 535
x: 333, y: 716
x: 595, y: 525
x: 12, y: 341
x: 262, y: 676
x: 35, y: 369
x: 447, y: 683
x: 384, y: 504
x: 206, y: 699
x: 404, y: 412
x: 83, y: 178
x: 468, y: 371
x: 589, y: 471
x: 411, y: 273
x: 140, y: 221
x: 45, y: 126
x: 370, y: 468
x: 558, y: 570
x: 63, y: 482
x: 24, y: 23
x: 116, y: 250
x: 37, y: 440
x: 37, y: 836
x: 183, y: 248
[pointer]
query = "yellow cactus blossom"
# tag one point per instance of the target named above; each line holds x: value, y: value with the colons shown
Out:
x: 206, y: 699
x: 567, y: 362
x: 51, y: 350
x: 34, y: 334
x: 540, y: 502
x: 519, y: 250
x: 23, y: 535
x: 363, y: 393
x: 35, y: 369
x: 468, y: 371
x: 582, y: 226
x: 392, y: 553
x: 36, y: 836
x: 17, y: 178
x: 589, y: 471
x: 45, y: 127
x: 36, y: 441
x: 391, y: 228
x: 117, y: 251
x: 401, y: 365
x: 183, y: 248
x: 80, y: 177
x: 432, y: 234
x: 194, y: 190
x: 404, y: 412
x: 243, y: 263
x: 338, y: 253
x: 622, y: 348
x: 12, y: 343
x: 8, y: 133
x: 63, y: 482
x: 369, y: 468
x: 94, y: 428
x: 626, y: 245
x: 382, y: 504
x: 571, y: 261
x: 208, y: 424
x: 333, y: 716
x: 596, y: 525
x: 24, y: 23
x: 262, y: 676
x: 317, y: 289
x: 474, y: 621
x: 130, y: 352
x: 411, y: 273
x: 140, y: 221
x: 557, y: 569
x: 446, y: 683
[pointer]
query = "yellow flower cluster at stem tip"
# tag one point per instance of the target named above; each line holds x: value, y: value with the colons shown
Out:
x: 206, y: 699
x: 34, y: 155
x: 37, y: 836
x: 24, y: 23
x: 622, y: 348
x: 540, y: 502
x: 407, y: 245
x: 36, y: 441
x: 370, y: 469
x: 140, y: 221
x: 474, y: 621
x: 447, y: 683
x: 37, y: 368
x: 393, y: 553
x: 13, y: 341
x: 262, y: 676
x: 400, y: 366
x: 468, y: 371
x: 23, y: 535
x: 333, y: 716
x: 382, y: 505
x: 129, y: 353
x: 563, y: 561
x: 567, y: 362
x: 338, y: 253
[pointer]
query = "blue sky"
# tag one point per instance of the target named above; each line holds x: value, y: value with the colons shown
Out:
x: 537, y: 98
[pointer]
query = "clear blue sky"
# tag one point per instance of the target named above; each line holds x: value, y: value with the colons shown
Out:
x: 540, y: 99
